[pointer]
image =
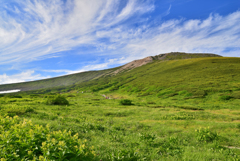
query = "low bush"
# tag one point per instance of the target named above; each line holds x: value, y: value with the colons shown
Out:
x: 29, y: 110
x: 58, y: 100
x: 14, y: 96
x: 71, y: 95
x: 225, y: 97
x: 22, y: 140
x: 205, y: 135
x: 125, y: 102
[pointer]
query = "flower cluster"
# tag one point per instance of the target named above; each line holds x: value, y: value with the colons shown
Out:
x: 22, y: 140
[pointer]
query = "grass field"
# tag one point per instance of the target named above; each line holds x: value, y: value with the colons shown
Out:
x: 150, y: 129
x: 180, y: 110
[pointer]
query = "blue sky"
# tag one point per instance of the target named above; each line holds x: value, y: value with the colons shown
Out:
x: 42, y: 39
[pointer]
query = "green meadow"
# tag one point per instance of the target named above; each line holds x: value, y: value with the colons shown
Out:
x: 184, y: 109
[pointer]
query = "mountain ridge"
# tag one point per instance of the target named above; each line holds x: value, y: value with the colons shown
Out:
x: 73, y: 79
x: 166, y: 56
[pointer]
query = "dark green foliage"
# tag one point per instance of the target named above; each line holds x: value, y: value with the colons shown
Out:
x: 225, y: 97
x: 1, y: 95
x: 238, y: 126
x: 71, y: 95
x: 14, y: 96
x: 34, y: 95
x: 189, y: 108
x: 29, y: 110
x: 151, y: 102
x: 58, y: 100
x: 125, y: 102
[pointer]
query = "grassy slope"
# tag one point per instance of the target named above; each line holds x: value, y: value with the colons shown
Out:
x: 146, y: 129
x: 56, y: 82
x: 194, y: 75
x: 172, y: 99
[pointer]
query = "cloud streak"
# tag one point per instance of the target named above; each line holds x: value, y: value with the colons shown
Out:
x: 216, y: 34
x: 21, y: 77
x: 30, y: 30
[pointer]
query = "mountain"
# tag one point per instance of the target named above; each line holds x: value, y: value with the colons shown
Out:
x: 75, y: 79
x: 198, y: 77
x: 167, y: 56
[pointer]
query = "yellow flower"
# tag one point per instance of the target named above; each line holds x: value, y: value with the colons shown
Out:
x: 82, y: 146
x: 61, y: 143
x: 54, y: 141
x: 75, y: 136
x: 44, y: 144
x: 29, y: 152
x: 41, y: 157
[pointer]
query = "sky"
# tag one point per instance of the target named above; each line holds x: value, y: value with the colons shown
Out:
x: 41, y: 39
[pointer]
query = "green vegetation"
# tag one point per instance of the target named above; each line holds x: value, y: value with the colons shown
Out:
x: 180, y: 110
x: 57, y: 100
x: 125, y: 102
x: 21, y: 140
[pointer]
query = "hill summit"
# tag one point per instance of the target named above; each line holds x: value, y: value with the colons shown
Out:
x: 166, y: 56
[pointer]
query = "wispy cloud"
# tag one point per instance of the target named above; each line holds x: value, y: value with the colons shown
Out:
x: 215, y: 34
x: 32, y: 29
x: 21, y: 77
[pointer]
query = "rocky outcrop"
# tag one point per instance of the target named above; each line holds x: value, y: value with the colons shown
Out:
x: 134, y: 64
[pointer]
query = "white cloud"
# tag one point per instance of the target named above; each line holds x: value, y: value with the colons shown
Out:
x: 22, y: 77
x: 212, y: 35
x: 47, y: 27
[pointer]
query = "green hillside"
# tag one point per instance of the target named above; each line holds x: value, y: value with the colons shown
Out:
x: 176, y: 108
x: 62, y: 81
x: 197, y: 76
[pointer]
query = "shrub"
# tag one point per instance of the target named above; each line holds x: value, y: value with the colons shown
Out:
x: 225, y: 97
x: 205, y: 135
x: 188, y: 95
x: 71, y: 95
x: 125, y: 102
x: 22, y: 139
x: 58, y: 100
x: 14, y: 96
x: 29, y: 110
